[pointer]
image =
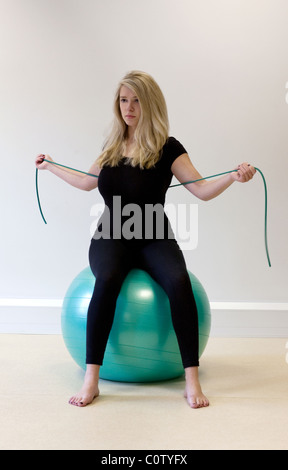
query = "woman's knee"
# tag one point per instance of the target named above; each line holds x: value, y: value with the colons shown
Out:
x: 110, y: 276
x: 178, y: 284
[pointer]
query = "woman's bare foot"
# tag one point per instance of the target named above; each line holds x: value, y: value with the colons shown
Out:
x: 193, y: 392
x: 90, y: 389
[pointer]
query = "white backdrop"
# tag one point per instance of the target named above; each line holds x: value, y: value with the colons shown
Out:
x: 223, y: 67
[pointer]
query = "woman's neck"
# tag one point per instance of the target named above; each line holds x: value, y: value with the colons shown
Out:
x: 130, y: 135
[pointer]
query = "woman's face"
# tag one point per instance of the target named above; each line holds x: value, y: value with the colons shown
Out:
x: 129, y: 107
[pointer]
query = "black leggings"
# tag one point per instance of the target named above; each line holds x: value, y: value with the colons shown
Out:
x: 110, y: 262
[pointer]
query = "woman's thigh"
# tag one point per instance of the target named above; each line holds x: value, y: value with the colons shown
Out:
x: 109, y: 258
x: 165, y: 262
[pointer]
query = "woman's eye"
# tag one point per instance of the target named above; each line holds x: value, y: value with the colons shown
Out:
x: 124, y: 100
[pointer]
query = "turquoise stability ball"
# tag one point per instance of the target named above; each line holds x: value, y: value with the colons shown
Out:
x: 142, y: 346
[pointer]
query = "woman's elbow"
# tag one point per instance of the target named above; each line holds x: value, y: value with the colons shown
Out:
x: 88, y: 184
x: 202, y: 195
x: 89, y: 188
x: 206, y: 197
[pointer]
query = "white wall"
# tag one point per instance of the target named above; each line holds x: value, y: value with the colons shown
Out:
x: 223, y: 67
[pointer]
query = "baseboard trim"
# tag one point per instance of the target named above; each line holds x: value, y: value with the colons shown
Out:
x: 229, y: 319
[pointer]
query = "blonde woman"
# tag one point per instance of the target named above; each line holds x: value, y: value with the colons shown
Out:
x: 135, y: 169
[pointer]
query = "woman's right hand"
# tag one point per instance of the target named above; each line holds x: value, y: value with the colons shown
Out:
x: 39, y: 162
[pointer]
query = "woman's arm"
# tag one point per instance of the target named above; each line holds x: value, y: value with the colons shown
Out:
x: 78, y: 180
x: 184, y: 170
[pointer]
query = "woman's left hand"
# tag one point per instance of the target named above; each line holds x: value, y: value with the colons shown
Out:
x: 245, y: 172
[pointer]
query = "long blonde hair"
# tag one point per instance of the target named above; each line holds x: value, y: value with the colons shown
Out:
x: 152, y: 130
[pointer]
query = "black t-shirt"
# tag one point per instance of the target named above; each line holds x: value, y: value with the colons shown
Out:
x: 134, y: 198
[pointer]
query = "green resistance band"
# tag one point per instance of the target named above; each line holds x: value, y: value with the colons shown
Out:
x: 172, y: 186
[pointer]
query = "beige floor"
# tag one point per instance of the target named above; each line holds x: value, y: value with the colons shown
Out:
x: 245, y: 379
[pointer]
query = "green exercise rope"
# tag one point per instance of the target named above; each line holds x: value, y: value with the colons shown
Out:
x: 172, y: 186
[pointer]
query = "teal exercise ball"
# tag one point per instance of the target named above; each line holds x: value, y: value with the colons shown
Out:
x: 142, y: 345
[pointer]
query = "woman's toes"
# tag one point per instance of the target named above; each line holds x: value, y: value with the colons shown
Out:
x: 74, y: 401
x: 195, y: 402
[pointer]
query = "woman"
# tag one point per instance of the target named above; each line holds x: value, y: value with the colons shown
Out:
x: 136, y: 166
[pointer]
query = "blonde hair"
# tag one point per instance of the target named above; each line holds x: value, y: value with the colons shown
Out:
x: 152, y: 130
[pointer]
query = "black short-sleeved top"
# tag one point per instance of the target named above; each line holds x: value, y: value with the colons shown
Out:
x: 131, y: 193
